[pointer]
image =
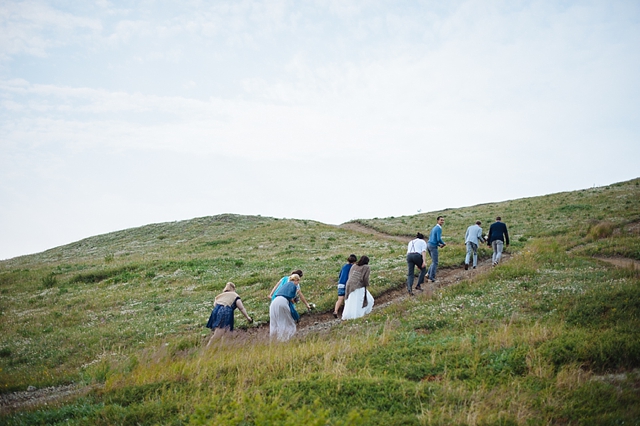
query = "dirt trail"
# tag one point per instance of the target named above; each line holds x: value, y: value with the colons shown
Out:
x: 366, y: 230
x: 32, y: 398
x: 621, y: 262
x: 324, y: 321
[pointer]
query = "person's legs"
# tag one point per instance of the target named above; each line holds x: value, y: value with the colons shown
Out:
x: 338, y: 304
x: 497, y: 251
x: 411, y: 264
x: 474, y: 247
x: 433, y: 253
x: 423, y: 272
x: 216, y: 334
x: 500, y: 246
x: 468, y: 256
x: 494, y: 248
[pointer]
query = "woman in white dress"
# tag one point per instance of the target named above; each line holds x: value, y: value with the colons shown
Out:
x: 282, y: 313
x: 358, y: 300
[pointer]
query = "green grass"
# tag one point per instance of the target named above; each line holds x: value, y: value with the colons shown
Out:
x: 550, y: 337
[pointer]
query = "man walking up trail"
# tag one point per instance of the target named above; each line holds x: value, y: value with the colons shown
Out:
x: 498, y: 236
x: 472, y: 239
x: 416, y: 256
x: 435, y: 241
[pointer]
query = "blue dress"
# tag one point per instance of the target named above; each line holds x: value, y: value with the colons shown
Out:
x: 343, y: 277
x: 222, y: 317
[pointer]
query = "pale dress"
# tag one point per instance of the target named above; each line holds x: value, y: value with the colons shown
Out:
x: 281, y: 324
x: 353, y: 305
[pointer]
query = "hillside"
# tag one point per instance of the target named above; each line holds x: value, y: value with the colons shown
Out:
x: 551, y: 336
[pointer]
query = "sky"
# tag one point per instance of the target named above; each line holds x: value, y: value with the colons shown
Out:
x: 120, y: 114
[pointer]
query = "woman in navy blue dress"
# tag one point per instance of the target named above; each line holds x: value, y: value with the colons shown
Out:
x: 221, y: 319
x: 342, y: 282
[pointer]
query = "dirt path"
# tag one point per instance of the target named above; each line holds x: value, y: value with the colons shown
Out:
x: 323, y: 321
x: 31, y: 398
x: 366, y: 230
x: 621, y: 262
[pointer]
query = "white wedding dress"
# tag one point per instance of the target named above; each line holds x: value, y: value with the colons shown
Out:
x: 353, y: 305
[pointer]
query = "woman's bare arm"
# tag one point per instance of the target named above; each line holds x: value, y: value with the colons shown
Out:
x: 303, y: 299
x: 274, y: 289
x: 243, y: 310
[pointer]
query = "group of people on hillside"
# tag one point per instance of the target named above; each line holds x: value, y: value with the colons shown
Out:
x: 418, y: 248
x: 353, y: 282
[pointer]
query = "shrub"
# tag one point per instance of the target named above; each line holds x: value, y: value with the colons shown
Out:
x: 50, y: 281
x: 601, y: 230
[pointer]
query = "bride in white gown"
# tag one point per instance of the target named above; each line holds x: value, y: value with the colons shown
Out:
x: 358, y: 300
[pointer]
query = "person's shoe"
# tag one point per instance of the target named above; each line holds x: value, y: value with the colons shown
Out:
x: 474, y: 267
x: 419, y: 288
x: 335, y: 315
x: 466, y: 266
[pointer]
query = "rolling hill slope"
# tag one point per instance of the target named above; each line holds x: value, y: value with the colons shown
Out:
x: 535, y: 340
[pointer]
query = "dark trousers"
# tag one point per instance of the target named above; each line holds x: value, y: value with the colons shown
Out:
x: 415, y: 260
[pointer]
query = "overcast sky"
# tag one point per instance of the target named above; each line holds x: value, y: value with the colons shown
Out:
x: 120, y: 114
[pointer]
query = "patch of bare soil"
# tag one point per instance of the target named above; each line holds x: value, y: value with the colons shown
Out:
x: 366, y: 230
x: 633, y: 228
x: 32, y: 398
x: 622, y: 262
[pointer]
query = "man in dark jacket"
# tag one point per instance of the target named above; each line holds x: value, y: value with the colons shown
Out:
x: 498, y: 236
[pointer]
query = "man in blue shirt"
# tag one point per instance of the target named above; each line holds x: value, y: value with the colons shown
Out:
x: 435, y: 242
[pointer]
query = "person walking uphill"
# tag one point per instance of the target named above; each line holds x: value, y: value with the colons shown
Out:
x: 435, y: 242
x: 221, y: 319
x: 282, y: 312
x: 342, y: 282
x: 416, y: 256
x: 471, y: 239
x: 498, y: 237
x: 358, y: 300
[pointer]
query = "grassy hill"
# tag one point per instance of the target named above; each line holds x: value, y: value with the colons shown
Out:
x: 552, y: 336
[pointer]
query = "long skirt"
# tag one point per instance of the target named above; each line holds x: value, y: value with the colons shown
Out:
x: 281, y: 324
x: 353, y: 305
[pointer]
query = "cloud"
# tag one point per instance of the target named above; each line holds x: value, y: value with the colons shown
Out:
x: 162, y: 113
x: 33, y: 28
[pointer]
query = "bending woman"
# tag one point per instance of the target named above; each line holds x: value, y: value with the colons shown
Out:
x: 221, y: 319
x: 282, y: 313
x: 282, y: 282
x: 358, y: 300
